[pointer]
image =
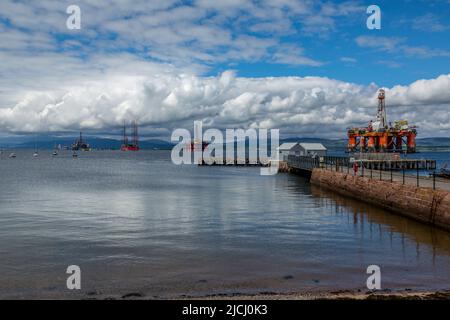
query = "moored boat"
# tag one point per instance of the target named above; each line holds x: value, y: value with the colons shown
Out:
x: 443, y: 173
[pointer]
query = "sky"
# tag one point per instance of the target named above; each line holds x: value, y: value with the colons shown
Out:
x: 308, y: 68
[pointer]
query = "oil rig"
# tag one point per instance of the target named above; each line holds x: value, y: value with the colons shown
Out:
x: 381, y: 136
x: 80, y: 144
x: 134, y: 145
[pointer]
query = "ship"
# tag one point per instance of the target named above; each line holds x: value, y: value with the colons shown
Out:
x: 134, y: 145
x: 80, y: 144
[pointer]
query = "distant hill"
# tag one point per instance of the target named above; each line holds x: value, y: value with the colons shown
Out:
x: 442, y: 142
x: 49, y: 141
x: 423, y: 144
x: 332, y: 145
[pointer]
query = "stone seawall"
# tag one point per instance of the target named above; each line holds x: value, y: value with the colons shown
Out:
x: 283, y: 167
x: 423, y: 204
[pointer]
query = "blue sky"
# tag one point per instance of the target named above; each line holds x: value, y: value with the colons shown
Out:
x: 416, y: 24
x: 295, y: 65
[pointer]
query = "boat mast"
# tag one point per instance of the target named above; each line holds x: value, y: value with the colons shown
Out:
x: 135, y: 134
x: 125, y: 139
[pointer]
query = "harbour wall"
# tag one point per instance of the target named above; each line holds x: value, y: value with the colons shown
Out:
x: 284, y: 167
x: 422, y: 204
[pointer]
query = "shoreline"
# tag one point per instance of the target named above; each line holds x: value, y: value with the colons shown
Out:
x: 344, y: 294
x: 386, y: 294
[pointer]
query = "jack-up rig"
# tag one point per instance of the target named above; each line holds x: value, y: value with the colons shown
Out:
x: 81, y: 144
x: 134, y: 145
x: 379, y: 136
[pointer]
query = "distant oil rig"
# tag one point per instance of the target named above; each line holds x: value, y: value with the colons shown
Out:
x: 80, y: 144
x: 134, y: 145
x: 379, y: 136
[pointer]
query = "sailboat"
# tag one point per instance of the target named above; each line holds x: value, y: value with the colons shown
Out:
x: 35, y: 154
x: 55, y: 152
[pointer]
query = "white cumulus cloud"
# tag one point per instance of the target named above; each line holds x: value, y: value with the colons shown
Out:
x: 313, y: 106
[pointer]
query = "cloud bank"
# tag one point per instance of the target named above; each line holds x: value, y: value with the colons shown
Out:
x: 312, y: 106
x: 147, y: 60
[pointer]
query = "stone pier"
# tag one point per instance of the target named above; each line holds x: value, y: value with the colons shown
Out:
x: 420, y: 203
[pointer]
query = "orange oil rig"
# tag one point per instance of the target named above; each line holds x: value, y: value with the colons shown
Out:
x: 379, y: 136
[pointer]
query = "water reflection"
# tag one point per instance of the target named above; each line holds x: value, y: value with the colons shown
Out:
x: 381, y: 223
x: 138, y: 222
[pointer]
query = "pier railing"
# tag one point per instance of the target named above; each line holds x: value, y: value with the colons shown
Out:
x: 303, y: 163
x: 406, y: 172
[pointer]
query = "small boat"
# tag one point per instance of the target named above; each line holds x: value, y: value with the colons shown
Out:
x: 12, y: 155
x: 55, y: 150
x: 443, y: 173
x: 35, y: 154
x: 74, y: 155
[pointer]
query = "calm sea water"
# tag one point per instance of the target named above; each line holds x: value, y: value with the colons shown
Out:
x: 134, y: 222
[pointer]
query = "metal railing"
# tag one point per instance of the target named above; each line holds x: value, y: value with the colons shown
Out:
x: 388, y: 172
x: 303, y: 163
x: 392, y: 174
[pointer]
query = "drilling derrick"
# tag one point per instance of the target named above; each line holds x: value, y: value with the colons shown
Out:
x: 381, y: 115
x: 135, y: 135
x: 381, y: 136
x: 125, y: 138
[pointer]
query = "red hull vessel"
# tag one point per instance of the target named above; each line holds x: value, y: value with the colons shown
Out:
x: 129, y: 148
